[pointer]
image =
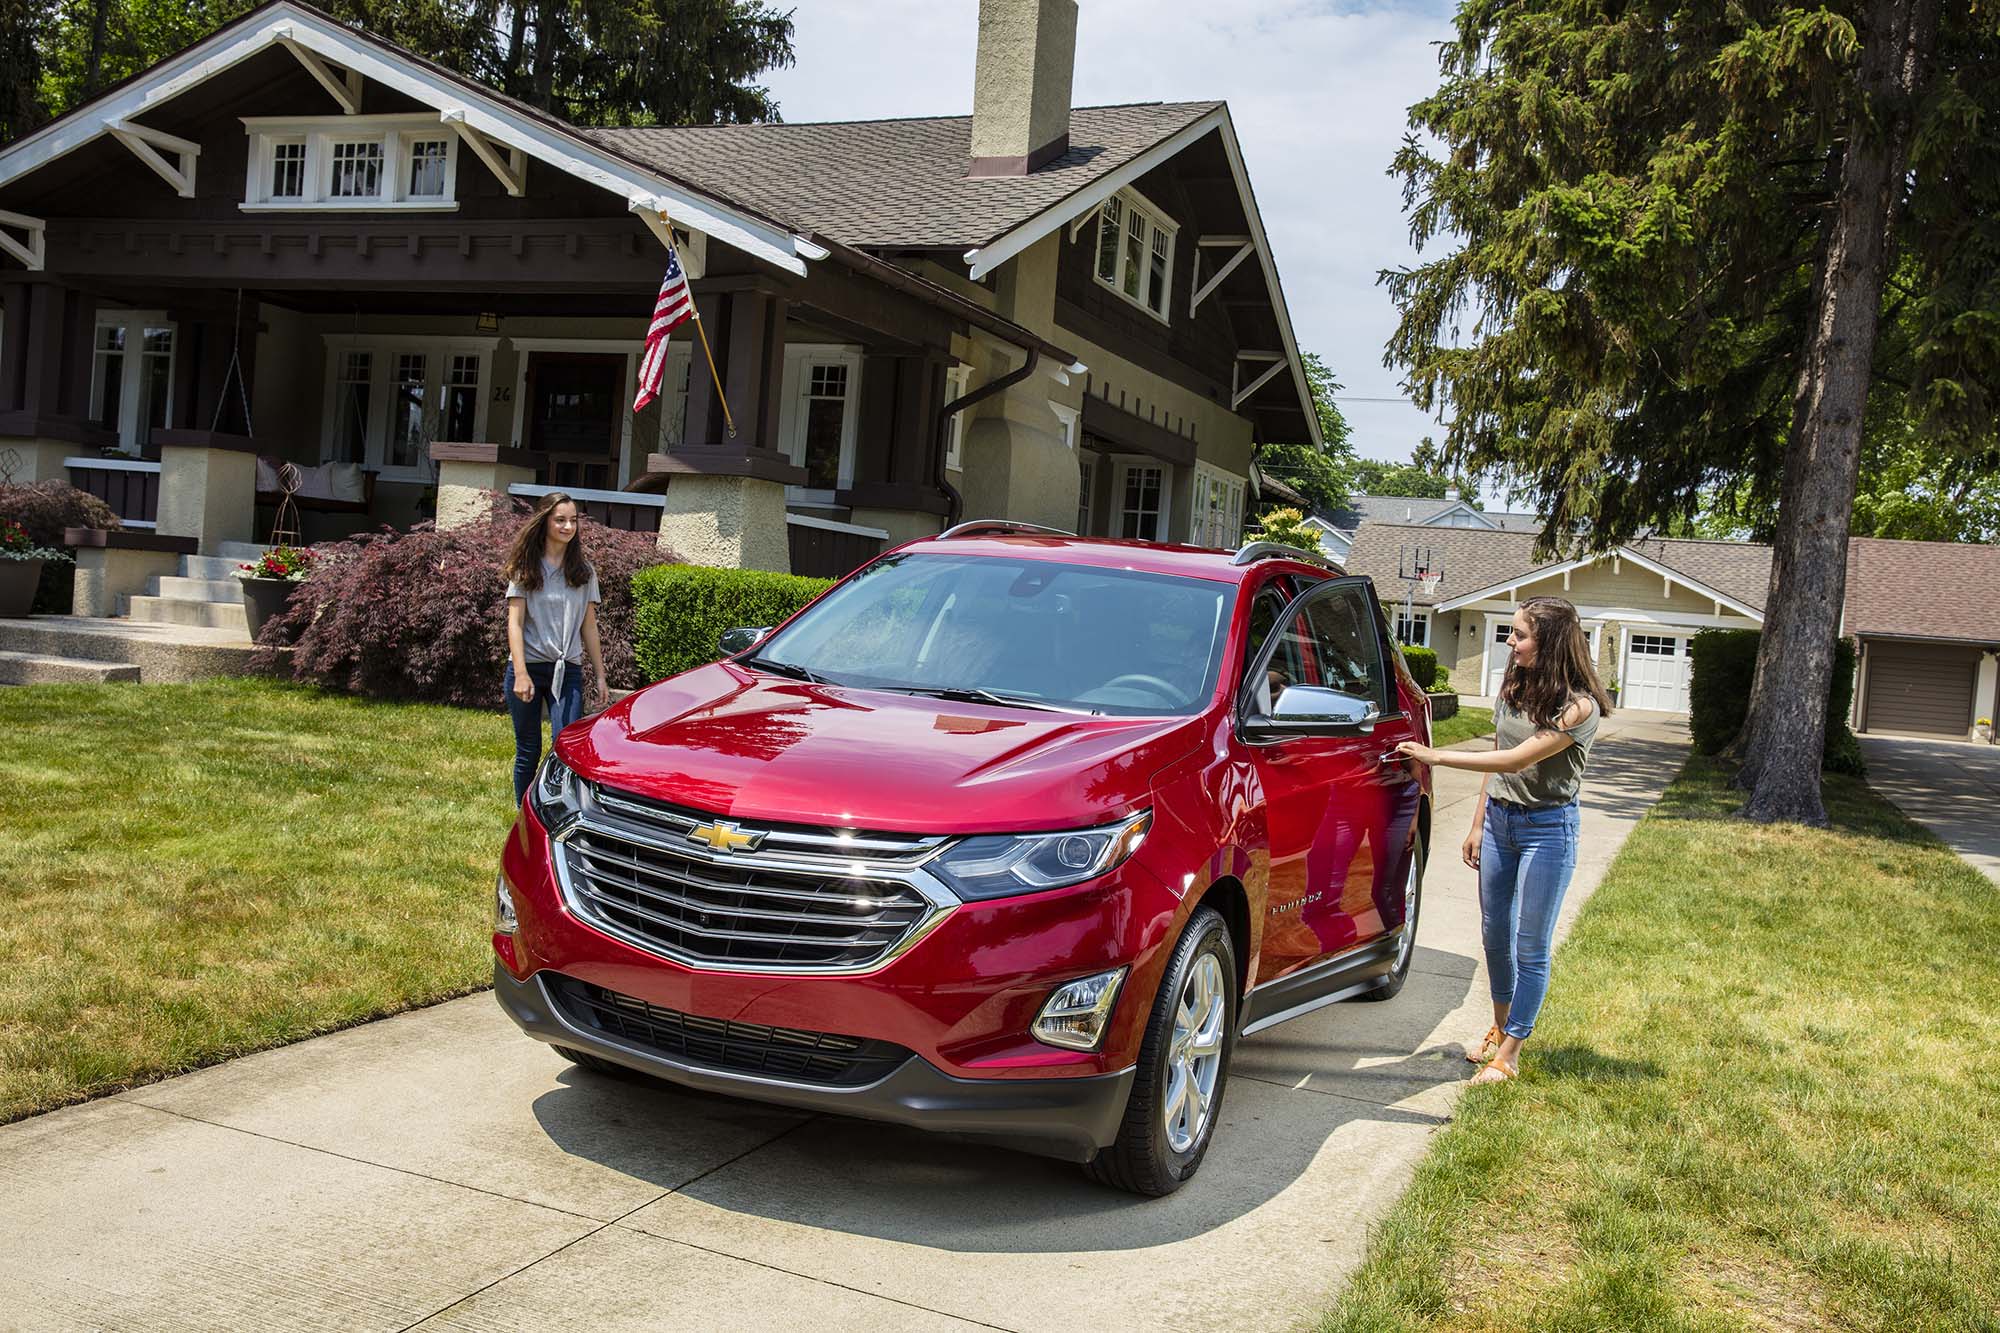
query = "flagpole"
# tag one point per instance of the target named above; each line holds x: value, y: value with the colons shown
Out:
x: 701, y: 331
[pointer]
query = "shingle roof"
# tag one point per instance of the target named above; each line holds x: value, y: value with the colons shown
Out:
x: 1362, y: 509
x: 893, y: 183
x: 1475, y: 558
x: 1927, y: 590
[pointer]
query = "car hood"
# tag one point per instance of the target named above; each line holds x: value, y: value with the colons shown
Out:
x: 734, y: 742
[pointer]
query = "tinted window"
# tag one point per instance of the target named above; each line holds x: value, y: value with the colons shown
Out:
x: 1332, y: 642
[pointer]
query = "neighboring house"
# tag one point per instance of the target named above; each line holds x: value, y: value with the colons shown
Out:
x: 1337, y: 529
x: 1925, y: 614
x: 297, y: 240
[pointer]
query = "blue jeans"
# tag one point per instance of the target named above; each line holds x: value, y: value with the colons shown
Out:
x: 528, y: 716
x: 1526, y: 858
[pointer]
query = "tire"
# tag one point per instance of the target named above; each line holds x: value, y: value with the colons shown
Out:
x: 1145, y: 1158
x: 1413, y: 890
x: 596, y: 1064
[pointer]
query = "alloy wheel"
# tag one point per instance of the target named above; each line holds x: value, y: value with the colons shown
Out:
x: 1194, y: 1058
x: 1409, y: 941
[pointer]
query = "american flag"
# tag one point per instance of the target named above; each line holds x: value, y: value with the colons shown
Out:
x: 669, y: 313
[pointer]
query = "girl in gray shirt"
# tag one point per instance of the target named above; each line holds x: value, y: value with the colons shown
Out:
x: 551, y: 626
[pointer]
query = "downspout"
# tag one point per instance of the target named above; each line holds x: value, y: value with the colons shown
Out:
x: 954, y: 502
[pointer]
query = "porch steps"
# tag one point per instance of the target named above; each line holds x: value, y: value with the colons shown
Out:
x: 190, y: 589
x: 203, y: 612
x: 211, y: 567
x: 204, y: 594
x: 17, y: 668
x: 155, y: 652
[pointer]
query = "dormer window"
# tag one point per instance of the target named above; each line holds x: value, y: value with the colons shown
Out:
x: 372, y: 162
x: 1135, y: 251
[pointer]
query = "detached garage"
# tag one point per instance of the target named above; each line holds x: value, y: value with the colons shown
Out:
x: 1927, y: 616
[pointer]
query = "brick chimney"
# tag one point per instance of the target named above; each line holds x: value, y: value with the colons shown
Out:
x: 1021, y: 87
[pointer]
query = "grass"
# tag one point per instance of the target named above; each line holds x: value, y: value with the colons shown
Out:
x: 192, y: 872
x: 1763, y: 1095
x: 1464, y: 725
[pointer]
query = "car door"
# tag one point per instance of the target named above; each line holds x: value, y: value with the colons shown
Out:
x: 1337, y: 806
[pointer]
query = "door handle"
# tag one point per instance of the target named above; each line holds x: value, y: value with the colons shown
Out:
x: 1386, y: 758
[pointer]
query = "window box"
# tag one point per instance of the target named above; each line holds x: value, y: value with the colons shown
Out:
x: 301, y: 163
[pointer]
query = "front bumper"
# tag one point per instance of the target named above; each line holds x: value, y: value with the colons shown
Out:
x: 1069, y: 1118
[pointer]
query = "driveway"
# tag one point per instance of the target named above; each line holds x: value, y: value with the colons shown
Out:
x: 1952, y: 788
x: 439, y: 1171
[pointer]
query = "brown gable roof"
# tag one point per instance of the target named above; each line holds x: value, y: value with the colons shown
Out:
x: 1475, y: 558
x: 894, y: 183
x: 1923, y: 590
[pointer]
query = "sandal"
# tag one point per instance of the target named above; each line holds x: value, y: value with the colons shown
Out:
x: 1496, y: 1072
x: 1488, y: 1046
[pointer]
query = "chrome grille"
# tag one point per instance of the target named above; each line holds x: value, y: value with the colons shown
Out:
x: 639, y: 878
x: 794, y: 1053
x: 802, y: 841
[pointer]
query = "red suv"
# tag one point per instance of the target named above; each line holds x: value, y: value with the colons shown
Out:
x: 1009, y: 833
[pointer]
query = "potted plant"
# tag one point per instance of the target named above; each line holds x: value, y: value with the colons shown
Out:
x: 269, y: 581
x: 1982, y: 730
x: 21, y: 564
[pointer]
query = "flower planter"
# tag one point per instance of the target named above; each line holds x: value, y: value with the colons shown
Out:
x: 18, y: 581
x: 1443, y: 706
x: 264, y: 598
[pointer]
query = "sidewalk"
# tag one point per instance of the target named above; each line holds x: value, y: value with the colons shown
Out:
x: 1950, y: 787
x: 439, y: 1171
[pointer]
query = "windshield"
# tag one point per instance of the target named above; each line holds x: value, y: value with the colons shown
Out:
x: 1030, y: 631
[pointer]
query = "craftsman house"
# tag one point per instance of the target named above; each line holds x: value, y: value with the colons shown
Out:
x: 295, y: 242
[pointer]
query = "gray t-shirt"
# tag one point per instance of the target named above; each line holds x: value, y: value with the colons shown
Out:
x: 1555, y: 780
x: 552, y: 630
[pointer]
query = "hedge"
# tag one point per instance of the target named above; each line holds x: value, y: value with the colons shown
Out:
x: 1725, y: 662
x: 1423, y: 665
x: 680, y: 611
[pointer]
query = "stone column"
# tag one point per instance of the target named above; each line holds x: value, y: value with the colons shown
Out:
x: 208, y: 487
x: 470, y: 474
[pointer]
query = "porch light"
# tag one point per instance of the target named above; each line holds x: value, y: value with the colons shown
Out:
x: 489, y: 322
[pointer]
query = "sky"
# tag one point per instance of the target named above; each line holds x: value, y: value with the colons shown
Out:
x: 1319, y: 93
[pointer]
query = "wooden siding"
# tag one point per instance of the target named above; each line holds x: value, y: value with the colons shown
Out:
x: 822, y: 554
x: 133, y: 495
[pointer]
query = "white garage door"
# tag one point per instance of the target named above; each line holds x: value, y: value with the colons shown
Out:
x: 1497, y: 654
x: 1656, y: 672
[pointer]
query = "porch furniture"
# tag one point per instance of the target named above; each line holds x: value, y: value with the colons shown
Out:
x: 329, y: 488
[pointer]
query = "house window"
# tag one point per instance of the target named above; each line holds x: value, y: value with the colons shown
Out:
x: 288, y: 169
x: 674, y: 412
x: 426, y: 177
x: 461, y: 396
x: 1084, y: 469
x: 1216, y: 518
x: 406, y: 411
x: 1135, y: 251
x: 955, y: 381
x: 350, y: 408
x: 382, y: 162
x: 822, y: 388
x: 393, y: 395
x: 1141, y: 495
x: 132, y: 376
x: 1413, y: 628
x: 357, y: 170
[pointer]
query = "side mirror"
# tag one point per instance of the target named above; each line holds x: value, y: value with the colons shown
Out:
x: 742, y: 640
x: 1314, y: 710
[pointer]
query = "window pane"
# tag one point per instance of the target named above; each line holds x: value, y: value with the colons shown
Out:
x: 350, y: 408
x: 1139, y: 516
x: 156, y: 371
x: 1156, y: 294
x: 461, y: 398
x: 826, y: 414
x: 107, y: 389
x: 288, y: 170
x: 1107, y: 241
x: 1083, y: 498
x: 357, y: 170
x: 406, y: 411
x: 1346, y: 650
x: 1135, y: 250
x: 427, y: 158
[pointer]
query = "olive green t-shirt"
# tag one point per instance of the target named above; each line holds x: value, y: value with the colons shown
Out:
x: 1555, y: 780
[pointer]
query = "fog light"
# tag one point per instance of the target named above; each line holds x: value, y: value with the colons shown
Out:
x: 503, y: 906
x: 1079, y: 1011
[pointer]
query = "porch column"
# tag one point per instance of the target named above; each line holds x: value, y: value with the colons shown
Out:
x: 208, y: 487
x: 470, y: 474
x: 725, y: 502
x: 45, y: 363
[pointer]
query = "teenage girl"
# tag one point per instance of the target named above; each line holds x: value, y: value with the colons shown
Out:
x: 551, y: 624
x: 1525, y: 823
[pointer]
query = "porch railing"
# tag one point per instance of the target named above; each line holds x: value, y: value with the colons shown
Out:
x: 131, y: 486
x: 629, y: 511
x: 825, y: 548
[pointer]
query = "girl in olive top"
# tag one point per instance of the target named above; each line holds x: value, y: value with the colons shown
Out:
x: 551, y: 623
x: 1524, y: 825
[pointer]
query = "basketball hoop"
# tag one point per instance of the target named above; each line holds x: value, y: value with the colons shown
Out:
x: 1430, y: 583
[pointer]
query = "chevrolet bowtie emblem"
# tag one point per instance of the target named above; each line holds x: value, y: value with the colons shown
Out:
x: 723, y: 837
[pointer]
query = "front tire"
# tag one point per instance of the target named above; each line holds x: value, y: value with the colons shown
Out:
x: 1183, y: 1066
x: 1413, y: 902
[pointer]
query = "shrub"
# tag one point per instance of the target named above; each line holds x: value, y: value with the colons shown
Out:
x: 680, y: 611
x: 1442, y: 685
x: 1423, y: 665
x: 44, y: 509
x: 1725, y: 662
x: 1285, y: 526
x: 422, y: 614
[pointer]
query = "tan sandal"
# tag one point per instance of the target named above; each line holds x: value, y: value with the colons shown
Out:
x: 1496, y: 1072
x: 1489, y: 1046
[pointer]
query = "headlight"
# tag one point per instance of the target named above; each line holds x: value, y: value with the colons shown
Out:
x: 994, y: 867
x: 554, y: 794
x: 504, y: 921
x: 1079, y: 1011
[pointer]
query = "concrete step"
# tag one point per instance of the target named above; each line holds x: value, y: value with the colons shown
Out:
x: 209, y: 566
x: 162, y: 652
x: 176, y: 611
x: 196, y: 590
x: 37, y: 669
x: 240, y: 550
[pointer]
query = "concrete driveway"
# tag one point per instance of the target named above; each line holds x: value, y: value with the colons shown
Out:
x: 439, y: 1171
x: 1952, y: 788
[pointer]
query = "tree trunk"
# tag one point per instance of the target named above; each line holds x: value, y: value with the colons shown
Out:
x: 517, y: 45
x: 547, y: 25
x: 1809, y: 560
x: 93, y: 60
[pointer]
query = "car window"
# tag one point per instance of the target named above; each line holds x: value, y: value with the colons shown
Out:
x: 1288, y: 662
x: 1346, y: 650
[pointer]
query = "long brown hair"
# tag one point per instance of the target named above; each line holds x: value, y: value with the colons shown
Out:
x: 1562, y: 670
x: 524, y: 554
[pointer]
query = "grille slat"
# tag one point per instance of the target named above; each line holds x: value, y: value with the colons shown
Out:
x: 794, y: 1053
x: 829, y: 843
x: 631, y: 877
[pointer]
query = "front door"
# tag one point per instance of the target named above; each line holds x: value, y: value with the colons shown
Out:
x: 1336, y: 814
x: 573, y: 408
x: 1497, y: 654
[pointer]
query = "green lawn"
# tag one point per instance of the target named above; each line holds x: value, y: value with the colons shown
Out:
x: 196, y: 871
x: 1764, y: 1094
x: 1464, y: 725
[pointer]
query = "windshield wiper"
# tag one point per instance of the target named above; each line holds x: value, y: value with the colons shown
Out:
x: 974, y: 695
x: 792, y: 669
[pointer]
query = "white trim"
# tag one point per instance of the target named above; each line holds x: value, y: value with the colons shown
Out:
x: 565, y: 150
x: 1682, y: 656
x: 1071, y: 421
x: 626, y: 345
x: 130, y: 429
x: 832, y: 525
x: 146, y: 142
x: 345, y: 90
x: 1215, y: 279
x: 111, y: 465
x: 437, y: 349
x: 1121, y: 467
x: 34, y: 251
x: 1236, y: 398
x: 393, y: 136
x: 511, y: 173
x: 535, y: 490
x: 1510, y: 587
x: 1420, y: 616
x: 1694, y: 620
x: 1458, y: 507
x: 792, y: 413
x: 984, y: 259
x: 1156, y: 220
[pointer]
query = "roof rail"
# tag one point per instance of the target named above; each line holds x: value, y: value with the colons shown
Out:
x: 984, y: 527
x: 1256, y: 551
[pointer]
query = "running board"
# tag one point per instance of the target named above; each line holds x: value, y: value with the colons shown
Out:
x: 1338, y: 978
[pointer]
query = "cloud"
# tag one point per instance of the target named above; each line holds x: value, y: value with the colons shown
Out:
x: 1319, y: 94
